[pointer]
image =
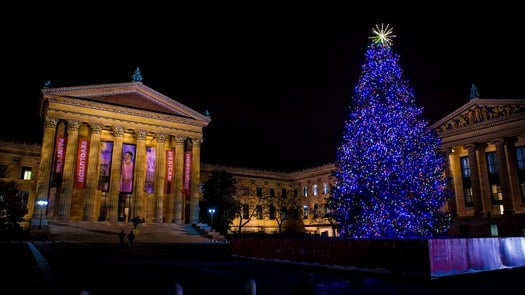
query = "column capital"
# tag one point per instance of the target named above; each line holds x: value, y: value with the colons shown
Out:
x: 118, y: 131
x: 161, y: 138
x: 96, y: 128
x: 477, y: 146
x: 197, y: 141
x: 179, y: 140
x: 51, y: 122
x: 141, y: 134
x: 447, y: 151
x: 504, y: 140
x: 73, y: 125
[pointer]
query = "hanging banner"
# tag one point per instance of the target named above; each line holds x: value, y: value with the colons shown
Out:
x: 82, y: 161
x: 60, y: 151
x: 128, y: 165
x: 187, y: 172
x: 106, y: 150
x: 170, y: 171
x: 151, y: 159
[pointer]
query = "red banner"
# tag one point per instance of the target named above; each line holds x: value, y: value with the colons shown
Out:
x: 187, y: 172
x: 82, y: 160
x: 170, y: 168
x: 60, y: 151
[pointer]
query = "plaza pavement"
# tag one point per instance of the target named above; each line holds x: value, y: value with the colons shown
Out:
x: 271, y: 278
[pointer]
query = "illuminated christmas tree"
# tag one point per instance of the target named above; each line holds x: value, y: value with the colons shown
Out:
x: 390, y: 180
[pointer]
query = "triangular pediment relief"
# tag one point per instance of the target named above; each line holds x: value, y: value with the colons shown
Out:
x: 480, y: 111
x: 130, y: 95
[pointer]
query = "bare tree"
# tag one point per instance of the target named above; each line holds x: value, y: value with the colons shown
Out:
x: 242, y: 218
x: 283, y: 209
x: 326, y: 217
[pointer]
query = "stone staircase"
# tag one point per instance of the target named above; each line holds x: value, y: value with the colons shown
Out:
x: 207, y: 231
x: 107, y: 232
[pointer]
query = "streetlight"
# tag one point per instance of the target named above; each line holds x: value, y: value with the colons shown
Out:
x: 42, y: 204
x: 211, y: 211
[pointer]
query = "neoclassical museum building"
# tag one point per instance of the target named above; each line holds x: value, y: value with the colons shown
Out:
x: 114, y: 151
x: 111, y: 152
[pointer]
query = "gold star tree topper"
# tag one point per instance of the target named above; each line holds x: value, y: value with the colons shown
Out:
x: 383, y: 34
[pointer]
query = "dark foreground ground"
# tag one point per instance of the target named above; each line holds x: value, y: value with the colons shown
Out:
x: 105, y: 268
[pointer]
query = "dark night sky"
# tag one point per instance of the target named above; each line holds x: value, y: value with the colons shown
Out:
x: 277, y: 82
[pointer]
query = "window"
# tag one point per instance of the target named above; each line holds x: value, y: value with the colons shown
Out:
x: 259, y: 212
x: 295, y: 212
x: 467, y: 182
x: 259, y: 191
x: 295, y: 192
x: 283, y: 193
x: 314, y: 189
x: 201, y: 187
x: 469, y: 199
x: 246, y: 191
x: 326, y: 188
x: 284, y: 213
x: 245, y: 211
x: 305, y: 212
x: 495, y: 194
x: 3, y: 171
x: 305, y: 191
x: 492, y: 164
x: 316, y: 211
x: 520, y: 158
x: 272, y: 212
x: 272, y: 192
x: 465, y: 167
x: 494, y: 181
x: 26, y: 173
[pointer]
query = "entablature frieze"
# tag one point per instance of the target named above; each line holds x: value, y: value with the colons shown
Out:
x: 481, y: 116
x: 134, y: 127
x: 68, y: 107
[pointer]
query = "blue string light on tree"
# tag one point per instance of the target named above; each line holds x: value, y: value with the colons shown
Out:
x: 390, y: 180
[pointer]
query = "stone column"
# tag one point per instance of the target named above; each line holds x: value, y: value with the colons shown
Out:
x: 195, y: 179
x: 161, y: 177
x: 46, y: 159
x: 90, y: 191
x: 503, y: 173
x: 452, y: 162
x: 513, y: 172
x: 179, y: 172
x: 484, y: 179
x: 474, y: 179
x: 114, y: 182
x: 140, y: 168
x: 64, y: 208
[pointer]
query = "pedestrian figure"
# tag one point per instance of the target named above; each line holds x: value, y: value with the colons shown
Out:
x: 131, y: 237
x: 122, y: 236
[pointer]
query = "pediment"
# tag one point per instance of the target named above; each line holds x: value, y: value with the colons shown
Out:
x: 480, y: 112
x: 134, y: 95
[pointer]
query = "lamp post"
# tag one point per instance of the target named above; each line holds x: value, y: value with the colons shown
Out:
x: 211, y: 211
x: 42, y: 204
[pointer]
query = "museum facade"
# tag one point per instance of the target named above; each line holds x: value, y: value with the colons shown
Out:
x: 116, y: 151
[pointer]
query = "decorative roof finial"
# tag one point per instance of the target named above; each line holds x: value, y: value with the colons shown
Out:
x: 137, y: 76
x: 47, y: 84
x: 383, y: 34
x: 474, y: 92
